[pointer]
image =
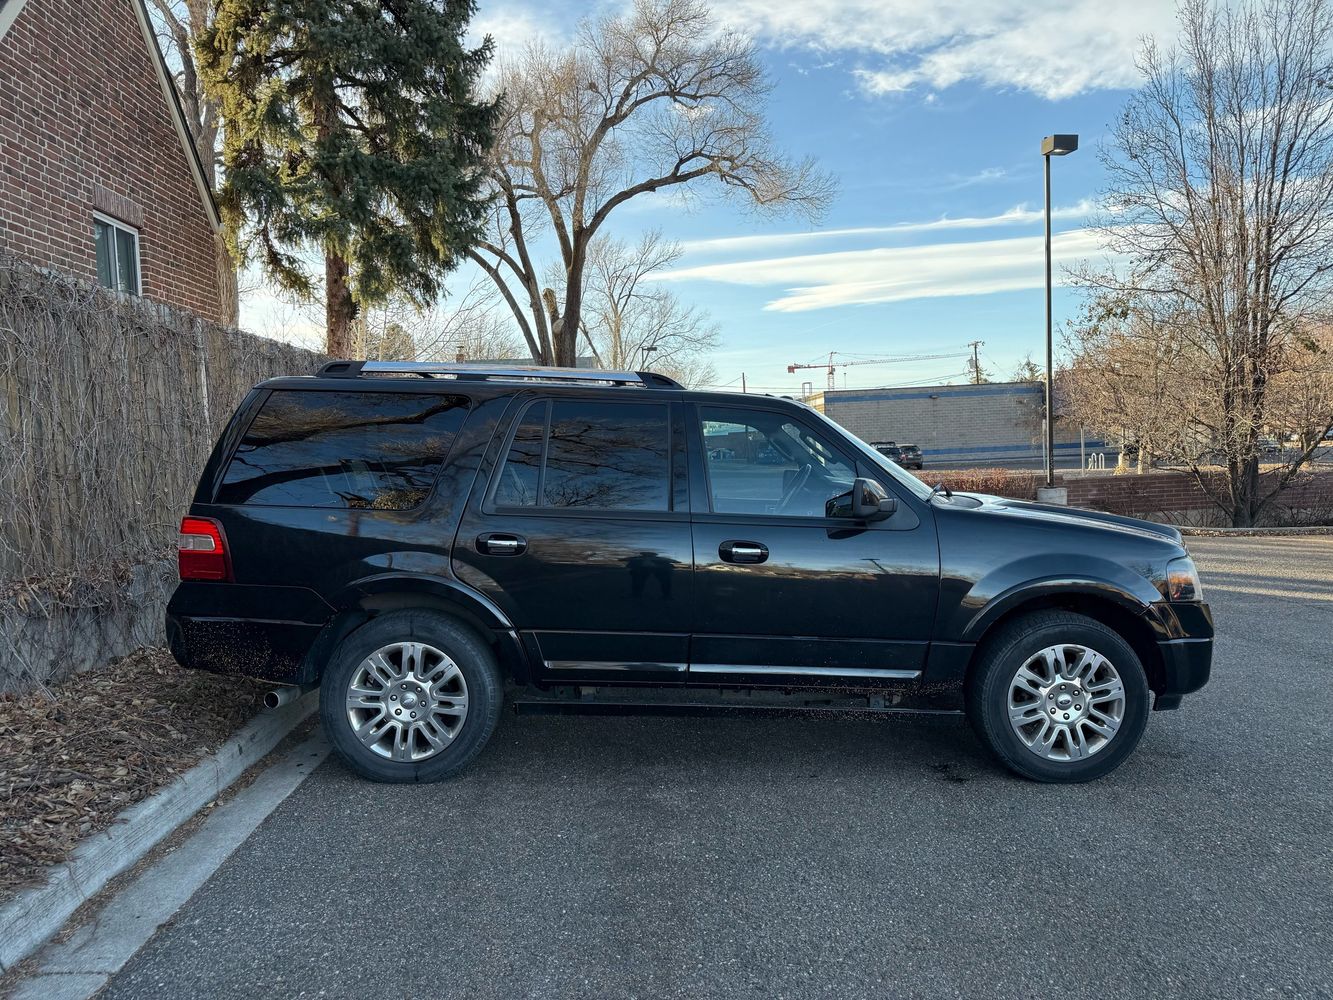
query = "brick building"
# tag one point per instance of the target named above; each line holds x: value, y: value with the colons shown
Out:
x: 991, y: 423
x: 98, y: 173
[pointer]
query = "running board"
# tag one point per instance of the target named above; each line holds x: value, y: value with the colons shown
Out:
x: 593, y: 700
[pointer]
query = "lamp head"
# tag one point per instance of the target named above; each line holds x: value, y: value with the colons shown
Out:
x: 1058, y: 145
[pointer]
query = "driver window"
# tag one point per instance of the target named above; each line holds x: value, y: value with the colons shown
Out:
x: 767, y: 463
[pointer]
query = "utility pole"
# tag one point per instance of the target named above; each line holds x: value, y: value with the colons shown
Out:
x: 976, y: 365
x: 743, y: 382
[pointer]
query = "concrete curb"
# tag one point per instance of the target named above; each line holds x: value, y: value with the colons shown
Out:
x: 78, y: 967
x: 1255, y: 532
x: 29, y: 920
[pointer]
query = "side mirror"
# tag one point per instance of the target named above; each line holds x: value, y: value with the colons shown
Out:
x: 865, y: 501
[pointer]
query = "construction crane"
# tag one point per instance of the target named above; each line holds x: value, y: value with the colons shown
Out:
x: 888, y: 359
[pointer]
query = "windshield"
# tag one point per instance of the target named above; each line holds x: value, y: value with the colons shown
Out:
x: 873, y: 457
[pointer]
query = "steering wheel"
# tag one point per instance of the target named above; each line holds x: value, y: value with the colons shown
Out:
x: 798, y: 483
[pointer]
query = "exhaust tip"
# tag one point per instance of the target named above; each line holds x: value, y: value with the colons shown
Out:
x: 279, y: 696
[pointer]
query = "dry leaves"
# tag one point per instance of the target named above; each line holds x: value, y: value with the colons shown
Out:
x: 109, y: 738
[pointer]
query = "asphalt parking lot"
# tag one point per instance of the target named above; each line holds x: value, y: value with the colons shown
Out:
x: 650, y: 857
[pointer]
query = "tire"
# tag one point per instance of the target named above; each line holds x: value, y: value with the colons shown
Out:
x: 1040, y: 745
x: 440, y: 668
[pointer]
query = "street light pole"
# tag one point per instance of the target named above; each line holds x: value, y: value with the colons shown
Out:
x: 1052, y: 145
x: 1050, y: 353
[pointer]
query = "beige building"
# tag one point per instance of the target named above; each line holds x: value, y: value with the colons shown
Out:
x: 990, y: 423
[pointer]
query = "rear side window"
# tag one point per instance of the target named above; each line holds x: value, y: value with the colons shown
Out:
x: 358, y: 450
x: 588, y: 454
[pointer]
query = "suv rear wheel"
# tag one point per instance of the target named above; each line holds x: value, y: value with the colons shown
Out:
x: 411, y: 696
x: 1059, y: 697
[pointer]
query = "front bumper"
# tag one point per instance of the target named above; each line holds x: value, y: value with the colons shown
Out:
x: 1187, y: 659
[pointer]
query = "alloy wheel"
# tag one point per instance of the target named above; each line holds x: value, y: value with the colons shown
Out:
x: 1066, y: 702
x: 407, y: 701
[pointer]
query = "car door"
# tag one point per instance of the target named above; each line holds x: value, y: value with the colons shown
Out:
x: 582, y: 537
x: 784, y: 594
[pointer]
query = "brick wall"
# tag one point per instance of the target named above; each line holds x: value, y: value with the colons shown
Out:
x: 84, y: 125
x: 1172, y: 497
x: 954, y: 424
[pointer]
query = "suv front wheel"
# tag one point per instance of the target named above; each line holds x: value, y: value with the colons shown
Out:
x: 1058, y: 697
x: 410, y: 696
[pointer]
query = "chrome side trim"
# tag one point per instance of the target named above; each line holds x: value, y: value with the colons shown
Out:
x: 882, y: 673
x: 616, y: 666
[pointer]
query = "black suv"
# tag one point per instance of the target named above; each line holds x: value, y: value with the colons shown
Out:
x: 427, y: 541
x: 910, y: 457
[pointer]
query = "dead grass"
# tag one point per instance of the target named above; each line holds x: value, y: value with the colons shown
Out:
x: 109, y: 738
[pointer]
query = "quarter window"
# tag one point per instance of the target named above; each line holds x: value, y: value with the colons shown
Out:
x: 573, y: 453
x: 117, y: 255
x: 357, y: 450
x: 767, y: 463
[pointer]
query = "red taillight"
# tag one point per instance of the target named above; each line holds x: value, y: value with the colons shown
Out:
x: 201, y: 551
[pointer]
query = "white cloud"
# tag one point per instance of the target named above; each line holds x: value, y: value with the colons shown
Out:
x: 983, y: 176
x: 1054, y: 48
x: 1018, y: 215
x: 515, y: 26
x: 895, y: 274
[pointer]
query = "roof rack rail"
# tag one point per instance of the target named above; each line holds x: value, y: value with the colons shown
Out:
x: 503, y: 373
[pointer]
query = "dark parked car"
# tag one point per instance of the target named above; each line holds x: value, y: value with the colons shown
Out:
x: 888, y: 449
x: 909, y: 457
x: 430, y: 541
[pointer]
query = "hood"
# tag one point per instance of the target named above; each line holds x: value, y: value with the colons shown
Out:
x: 1075, y: 516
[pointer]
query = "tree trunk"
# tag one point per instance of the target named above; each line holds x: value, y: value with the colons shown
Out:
x: 566, y: 336
x: 229, y: 299
x: 1246, y: 494
x: 339, y: 309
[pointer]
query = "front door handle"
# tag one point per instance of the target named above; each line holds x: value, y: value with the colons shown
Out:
x: 498, y: 543
x: 734, y: 551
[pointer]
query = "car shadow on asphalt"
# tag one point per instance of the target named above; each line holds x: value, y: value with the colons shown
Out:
x: 716, y: 750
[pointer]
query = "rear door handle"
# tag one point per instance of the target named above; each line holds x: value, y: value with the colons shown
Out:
x: 734, y: 551
x: 498, y: 543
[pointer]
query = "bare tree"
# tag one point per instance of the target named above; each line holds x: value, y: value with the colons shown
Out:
x: 1131, y: 377
x: 470, y: 326
x: 657, y: 98
x: 380, y: 335
x: 1302, y: 392
x: 1221, y: 184
x: 631, y: 322
x: 176, y: 23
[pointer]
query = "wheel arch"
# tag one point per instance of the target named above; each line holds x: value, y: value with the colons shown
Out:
x: 1127, y: 617
x: 363, y: 601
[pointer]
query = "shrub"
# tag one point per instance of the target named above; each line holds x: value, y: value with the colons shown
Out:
x: 1019, y: 485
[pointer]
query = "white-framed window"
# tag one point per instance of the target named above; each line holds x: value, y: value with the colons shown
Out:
x: 117, y: 254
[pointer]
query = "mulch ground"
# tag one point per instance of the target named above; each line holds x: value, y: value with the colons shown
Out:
x: 107, y: 739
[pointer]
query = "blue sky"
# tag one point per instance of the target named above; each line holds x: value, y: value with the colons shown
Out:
x: 930, y: 118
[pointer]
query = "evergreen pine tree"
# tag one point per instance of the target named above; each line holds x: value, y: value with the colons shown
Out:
x: 350, y: 131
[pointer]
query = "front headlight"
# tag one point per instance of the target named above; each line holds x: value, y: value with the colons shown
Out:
x: 1182, y: 580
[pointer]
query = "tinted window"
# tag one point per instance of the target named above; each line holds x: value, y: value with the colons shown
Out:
x: 583, y: 453
x: 521, y: 475
x: 362, y: 450
x: 767, y: 463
